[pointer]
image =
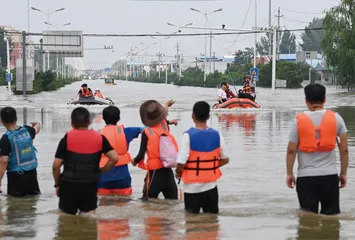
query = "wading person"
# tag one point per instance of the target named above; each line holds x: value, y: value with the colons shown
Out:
x: 80, y: 152
x: 117, y: 180
x: 313, y: 139
x: 18, y: 155
x: 202, y: 153
x: 158, y: 179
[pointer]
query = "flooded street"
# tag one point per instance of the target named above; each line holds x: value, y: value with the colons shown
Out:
x: 254, y: 200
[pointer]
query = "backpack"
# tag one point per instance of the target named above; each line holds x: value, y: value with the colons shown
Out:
x: 168, y: 152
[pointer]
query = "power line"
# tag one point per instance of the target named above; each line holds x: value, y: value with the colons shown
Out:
x: 288, y: 10
x: 294, y: 20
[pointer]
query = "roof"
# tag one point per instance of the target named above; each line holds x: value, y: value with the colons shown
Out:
x: 288, y: 56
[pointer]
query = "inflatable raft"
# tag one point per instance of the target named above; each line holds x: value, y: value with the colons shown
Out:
x: 91, y: 101
x: 237, y: 103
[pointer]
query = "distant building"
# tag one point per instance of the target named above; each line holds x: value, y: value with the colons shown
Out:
x: 302, y: 56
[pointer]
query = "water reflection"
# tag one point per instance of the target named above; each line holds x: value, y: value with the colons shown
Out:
x: 20, y: 212
x: 313, y: 227
x: 113, y: 228
x: 203, y: 226
x: 348, y: 114
x: 159, y: 228
x: 76, y: 227
x: 246, y: 121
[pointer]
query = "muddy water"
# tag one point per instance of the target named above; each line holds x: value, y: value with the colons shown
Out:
x: 254, y: 200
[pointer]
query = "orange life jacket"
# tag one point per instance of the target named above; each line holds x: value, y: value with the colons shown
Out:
x: 117, y: 139
x: 247, y: 89
x: 153, y: 145
x: 203, y: 163
x: 307, y: 132
x: 85, y: 93
x: 99, y: 95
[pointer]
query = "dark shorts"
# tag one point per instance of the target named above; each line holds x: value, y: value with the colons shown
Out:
x: 161, y: 181
x: 208, y: 201
x: 74, y: 197
x: 320, y: 189
x: 20, y: 185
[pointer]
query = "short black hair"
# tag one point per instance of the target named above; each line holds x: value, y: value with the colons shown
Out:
x: 315, y: 93
x: 8, y: 115
x: 201, y: 110
x: 223, y: 83
x: 84, y: 85
x: 111, y: 115
x: 80, y: 117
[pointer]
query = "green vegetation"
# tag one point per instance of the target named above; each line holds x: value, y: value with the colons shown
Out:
x: 339, y: 41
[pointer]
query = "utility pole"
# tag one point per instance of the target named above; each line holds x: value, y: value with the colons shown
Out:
x: 196, y: 62
x: 278, y: 37
x: 214, y: 62
x: 211, y: 51
x: 178, y: 59
x: 160, y: 55
x: 270, y: 34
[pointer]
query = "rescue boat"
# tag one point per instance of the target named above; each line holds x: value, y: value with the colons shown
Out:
x: 237, y: 103
x: 91, y: 101
x: 110, y: 81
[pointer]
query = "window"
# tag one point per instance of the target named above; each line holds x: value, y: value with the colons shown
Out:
x: 308, y: 55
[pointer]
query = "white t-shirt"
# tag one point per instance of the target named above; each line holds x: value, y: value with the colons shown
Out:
x: 184, y: 152
x: 222, y: 94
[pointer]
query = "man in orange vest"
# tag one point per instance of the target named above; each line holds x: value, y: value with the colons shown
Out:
x: 202, y: 153
x: 313, y: 138
x: 85, y: 91
x: 158, y: 179
x: 117, y: 180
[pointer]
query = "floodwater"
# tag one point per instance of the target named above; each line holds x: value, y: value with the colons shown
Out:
x: 254, y: 200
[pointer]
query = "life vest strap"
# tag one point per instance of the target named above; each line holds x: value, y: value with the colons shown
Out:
x: 198, y: 161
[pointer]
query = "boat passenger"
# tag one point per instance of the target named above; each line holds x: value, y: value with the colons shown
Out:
x: 248, y: 91
x: 230, y: 93
x: 80, y: 152
x: 85, y: 91
x: 18, y: 155
x: 98, y: 93
x: 313, y: 138
x: 158, y: 179
x: 222, y: 95
x: 202, y: 153
x: 117, y: 181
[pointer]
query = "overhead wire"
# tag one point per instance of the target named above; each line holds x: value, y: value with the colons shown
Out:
x: 289, y: 10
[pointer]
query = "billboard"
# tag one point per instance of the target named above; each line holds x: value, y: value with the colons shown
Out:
x: 64, y: 43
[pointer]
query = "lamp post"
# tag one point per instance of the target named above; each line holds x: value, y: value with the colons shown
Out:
x: 178, y: 54
x: 48, y: 14
x: 206, y: 14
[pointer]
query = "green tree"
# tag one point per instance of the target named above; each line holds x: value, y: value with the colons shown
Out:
x: 339, y: 41
x: 243, y: 57
x: 3, y: 48
x: 312, y: 38
x: 288, y: 43
x: 262, y: 47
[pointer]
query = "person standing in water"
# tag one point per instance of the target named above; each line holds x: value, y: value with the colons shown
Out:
x: 158, y: 179
x: 80, y: 152
x: 18, y: 155
x: 117, y: 180
x: 202, y: 153
x: 313, y: 139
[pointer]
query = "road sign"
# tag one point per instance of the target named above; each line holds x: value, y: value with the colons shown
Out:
x: 256, y: 72
x: 8, y: 77
x: 107, y: 69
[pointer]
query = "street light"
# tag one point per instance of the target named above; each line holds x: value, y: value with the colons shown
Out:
x: 48, y: 13
x: 57, y: 27
x: 206, y: 19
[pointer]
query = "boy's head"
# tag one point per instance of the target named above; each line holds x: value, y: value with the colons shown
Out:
x: 80, y: 118
x: 8, y: 116
x: 224, y: 85
x: 315, y: 94
x: 201, y: 111
x: 111, y: 115
x: 84, y: 86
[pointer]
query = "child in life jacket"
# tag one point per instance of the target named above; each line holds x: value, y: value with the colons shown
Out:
x: 159, y: 179
x: 18, y: 155
x: 118, y: 180
x: 202, y: 152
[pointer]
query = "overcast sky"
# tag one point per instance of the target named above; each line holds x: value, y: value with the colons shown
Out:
x: 124, y: 16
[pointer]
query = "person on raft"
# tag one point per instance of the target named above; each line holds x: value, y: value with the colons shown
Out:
x: 230, y: 93
x: 85, y: 91
x: 98, y: 93
x: 248, y: 88
x: 222, y: 95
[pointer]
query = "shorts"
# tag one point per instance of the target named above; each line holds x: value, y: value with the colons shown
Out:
x: 160, y: 181
x: 319, y: 189
x: 117, y: 191
x: 20, y: 185
x: 74, y: 197
x: 207, y: 200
